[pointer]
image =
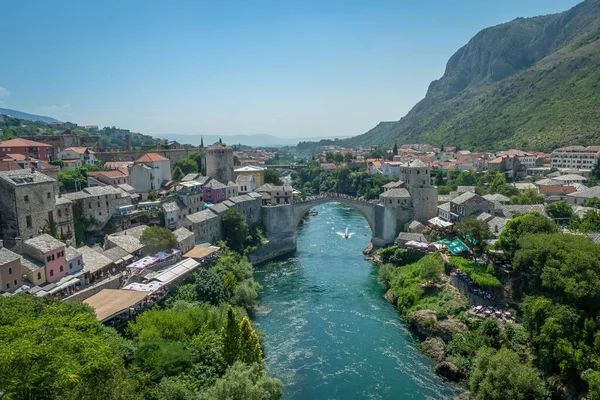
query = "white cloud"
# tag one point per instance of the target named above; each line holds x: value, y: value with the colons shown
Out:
x: 4, y: 92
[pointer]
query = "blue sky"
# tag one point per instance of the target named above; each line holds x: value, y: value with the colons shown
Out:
x: 288, y: 68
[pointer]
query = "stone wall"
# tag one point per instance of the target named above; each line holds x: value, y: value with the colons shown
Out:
x: 277, y: 246
x: 111, y: 283
x: 172, y: 154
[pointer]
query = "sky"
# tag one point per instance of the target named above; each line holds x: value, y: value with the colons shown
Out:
x: 288, y: 68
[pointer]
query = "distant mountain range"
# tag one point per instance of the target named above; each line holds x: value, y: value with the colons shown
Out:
x: 258, y: 140
x: 29, y: 117
x: 532, y: 83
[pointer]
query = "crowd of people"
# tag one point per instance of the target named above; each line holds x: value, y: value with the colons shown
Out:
x: 473, y: 287
x: 491, y: 312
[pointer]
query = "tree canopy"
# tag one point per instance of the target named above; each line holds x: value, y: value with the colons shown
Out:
x: 518, y: 227
x: 235, y: 229
x: 157, y: 239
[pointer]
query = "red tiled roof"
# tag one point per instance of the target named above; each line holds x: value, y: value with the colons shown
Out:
x: 79, y: 150
x: 9, y: 165
x: 151, y: 157
x: 553, y: 189
x: 16, y: 157
x: 113, y: 174
x: 22, y: 143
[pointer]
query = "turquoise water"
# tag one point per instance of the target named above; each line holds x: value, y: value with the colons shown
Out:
x: 330, y: 334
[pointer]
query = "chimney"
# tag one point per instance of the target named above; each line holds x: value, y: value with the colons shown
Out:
x: 128, y: 142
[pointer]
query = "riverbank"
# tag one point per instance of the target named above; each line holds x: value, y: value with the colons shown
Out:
x: 424, y: 289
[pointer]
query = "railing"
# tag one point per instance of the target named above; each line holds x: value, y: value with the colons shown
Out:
x: 326, y: 196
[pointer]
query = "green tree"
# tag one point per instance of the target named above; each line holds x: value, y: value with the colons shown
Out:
x: 589, y: 223
x: 244, y: 382
x: 177, y: 174
x: 518, y: 227
x: 272, y: 177
x: 197, y: 158
x: 501, y: 376
x: 52, y: 350
x: 231, y: 338
x: 529, y: 196
x: 186, y: 165
x: 395, y: 149
x: 250, y: 351
x: 235, y: 229
x: 431, y: 268
x: 348, y: 157
x: 473, y: 230
x: 559, y: 210
x: 593, y: 202
x: 157, y: 239
x: 210, y: 287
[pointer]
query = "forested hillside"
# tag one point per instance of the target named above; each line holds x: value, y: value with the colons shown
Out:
x: 531, y: 83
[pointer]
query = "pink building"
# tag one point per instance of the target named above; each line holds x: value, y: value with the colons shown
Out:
x: 50, y: 252
x: 214, y: 192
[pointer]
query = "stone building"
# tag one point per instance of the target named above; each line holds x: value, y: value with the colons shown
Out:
x: 67, y: 139
x: 250, y: 170
x: 27, y: 204
x: 417, y: 180
x: 274, y: 195
x: 469, y: 204
x: 246, y: 184
x: 185, y: 239
x: 11, y: 275
x: 100, y: 202
x: 63, y: 215
x: 206, y: 225
x: 219, y: 162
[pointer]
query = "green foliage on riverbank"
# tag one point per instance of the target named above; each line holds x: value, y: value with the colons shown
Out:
x: 196, y: 346
x: 483, y: 275
x: 408, y: 285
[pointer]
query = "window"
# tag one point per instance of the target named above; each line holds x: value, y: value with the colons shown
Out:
x: 48, y: 258
x: 48, y: 195
x: 28, y: 220
x: 98, y: 204
x: 70, y: 265
x: 51, y: 272
x: 26, y: 198
x: 62, y: 269
x: 15, y: 281
x: 90, y: 206
x: 39, y: 275
x: 59, y: 213
x: 7, y: 285
x: 78, y: 262
x: 10, y: 271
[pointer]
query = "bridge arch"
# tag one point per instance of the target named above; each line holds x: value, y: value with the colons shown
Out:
x: 364, y: 208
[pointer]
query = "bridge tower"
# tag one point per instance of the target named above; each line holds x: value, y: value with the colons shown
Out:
x: 417, y: 180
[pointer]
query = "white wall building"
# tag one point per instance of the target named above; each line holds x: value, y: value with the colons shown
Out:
x: 578, y: 157
x: 83, y: 154
x: 149, y: 172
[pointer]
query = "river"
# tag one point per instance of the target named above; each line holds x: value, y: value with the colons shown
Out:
x: 330, y: 334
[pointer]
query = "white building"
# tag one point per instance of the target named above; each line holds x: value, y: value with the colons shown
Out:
x: 578, y: 157
x: 391, y: 168
x: 149, y: 172
x: 77, y: 156
x: 526, y: 159
x: 246, y: 184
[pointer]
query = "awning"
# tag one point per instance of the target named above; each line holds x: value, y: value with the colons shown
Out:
x: 178, y: 270
x: 143, y: 263
x: 144, y: 287
x: 457, y: 246
x: 437, y: 221
x: 420, y: 245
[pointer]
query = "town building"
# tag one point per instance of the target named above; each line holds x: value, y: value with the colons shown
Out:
x: 246, y: 183
x: 580, y: 197
x: 185, y: 239
x: 578, y: 157
x: 64, y: 218
x: 27, y: 204
x: 27, y: 148
x: 150, y: 172
x: 526, y: 159
x: 219, y: 162
x: 100, y: 203
x: 206, y: 225
x: 77, y: 156
x: 214, y: 192
x: 74, y: 259
x: 274, y: 195
x: 49, y: 251
x: 112, y: 178
x: 468, y: 204
x: 67, y: 139
x: 34, y: 271
x: 11, y: 275
x: 232, y: 189
x: 391, y: 168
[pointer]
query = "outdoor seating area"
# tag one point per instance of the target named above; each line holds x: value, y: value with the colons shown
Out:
x: 473, y: 287
x: 491, y: 312
x: 417, y: 247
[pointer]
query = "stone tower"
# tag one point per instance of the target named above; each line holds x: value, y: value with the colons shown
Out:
x: 219, y: 162
x: 417, y: 180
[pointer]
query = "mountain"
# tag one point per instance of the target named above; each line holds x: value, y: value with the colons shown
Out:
x: 29, y: 117
x: 258, y: 140
x: 532, y: 83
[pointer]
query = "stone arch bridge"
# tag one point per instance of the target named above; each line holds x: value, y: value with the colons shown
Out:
x: 281, y: 221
